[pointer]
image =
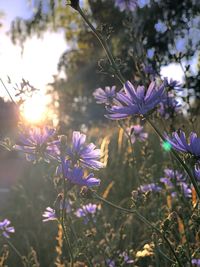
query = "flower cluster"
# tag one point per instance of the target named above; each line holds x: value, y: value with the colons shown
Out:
x: 149, y: 188
x: 135, y: 101
x: 77, y: 157
x: 5, y: 228
x: 130, y: 101
x: 87, y: 212
x: 173, y: 179
x: 72, y: 159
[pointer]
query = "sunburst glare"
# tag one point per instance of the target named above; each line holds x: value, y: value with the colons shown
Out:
x: 34, y: 110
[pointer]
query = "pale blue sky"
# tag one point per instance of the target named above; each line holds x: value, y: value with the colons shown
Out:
x: 13, y: 9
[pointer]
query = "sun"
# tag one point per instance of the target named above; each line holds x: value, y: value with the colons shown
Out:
x: 34, y: 109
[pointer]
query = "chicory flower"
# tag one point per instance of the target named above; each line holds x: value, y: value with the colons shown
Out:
x: 136, y: 101
x: 106, y: 96
x: 5, y: 228
x: 85, y: 154
x: 35, y: 144
x: 75, y: 175
x: 179, y: 142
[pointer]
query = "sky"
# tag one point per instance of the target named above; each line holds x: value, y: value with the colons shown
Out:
x: 38, y: 63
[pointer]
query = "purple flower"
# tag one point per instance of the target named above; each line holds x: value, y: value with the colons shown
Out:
x: 86, y: 212
x: 197, y: 172
x: 174, y: 174
x: 168, y: 106
x: 110, y: 263
x: 185, y: 188
x: 67, y: 205
x: 196, y: 262
x: 136, y: 132
x: 160, y: 27
x: 149, y: 188
x: 75, y: 175
x: 5, y: 228
x: 35, y: 143
x: 136, y: 101
x: 126, y: 5
x: 173, y: 178
x: 173, y: 84
x: 126, y: 258
x: 106, y: 96
x: 179, y: 142
x: 49, y: 215
x: 86, y: 155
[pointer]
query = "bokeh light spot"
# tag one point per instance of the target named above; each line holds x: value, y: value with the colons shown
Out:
x: 166, y: 146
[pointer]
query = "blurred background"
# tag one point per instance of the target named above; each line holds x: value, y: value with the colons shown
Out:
x: 50, y: 64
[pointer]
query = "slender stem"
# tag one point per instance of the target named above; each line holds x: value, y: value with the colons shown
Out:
x: 165, y: 256
x: 8, y: 92
x: 104, y: 45
x: 175, y: 154
x: 66, y: 238
x: 63, y: 215
x: 144, y: 220
x: 23, y: 258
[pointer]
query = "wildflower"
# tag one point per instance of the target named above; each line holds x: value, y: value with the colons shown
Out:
x: 49, y: 215
x: 106, y: 96
x: 86, y: 155
x: 160, y: 27
x: 179, y: 143
x: 67, y: 205
x: 196, y: 262
x: 136, y: 132
x: 110, y: 263
x: 5, y: 228
x: 168, y: 106
x: 148, y: 69
x: 75, y: 175
x: 128, y: 5
x: 197, y: 172
x: 185, y: 188
x: 173, y: 178
x: 86, y: 212
x: 136, y: 101
x: 173, y: 84
x: 126, y: 258
x: 149, y: 188
x: 35, y: 144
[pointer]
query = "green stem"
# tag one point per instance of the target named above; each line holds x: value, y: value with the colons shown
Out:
x: 66, y: 238
x: 175, y: 154
x: 104, y: 45
x: 144, y: 220
x: 63, y: 218
x: 23, y: 258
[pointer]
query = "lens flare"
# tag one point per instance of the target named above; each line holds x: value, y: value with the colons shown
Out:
x: 34, y: 110
x: 166, y: 146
